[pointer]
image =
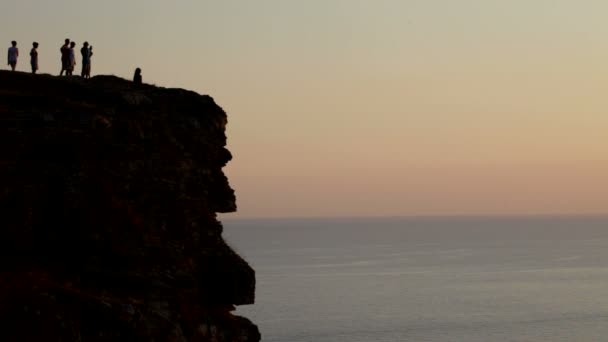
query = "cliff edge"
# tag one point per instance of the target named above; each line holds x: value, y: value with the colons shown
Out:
x: 108, y: 202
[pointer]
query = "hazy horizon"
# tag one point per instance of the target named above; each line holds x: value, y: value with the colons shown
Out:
x: 360, y: 108
x: 226, y: 217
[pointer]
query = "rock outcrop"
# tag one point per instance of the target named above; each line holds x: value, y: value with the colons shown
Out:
x: 108, y: 202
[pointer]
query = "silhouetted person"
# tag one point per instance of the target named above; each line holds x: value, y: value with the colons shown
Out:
x: 13, y: 54
x: 65, y: 57
x: 72, y: 59
x: 34, y: 57
x: 137, y: 76
x: 87, y: 53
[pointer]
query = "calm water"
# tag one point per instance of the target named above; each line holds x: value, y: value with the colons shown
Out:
x: 427, y: 279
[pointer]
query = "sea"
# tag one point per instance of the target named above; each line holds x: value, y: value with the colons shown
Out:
x: 535, y: 278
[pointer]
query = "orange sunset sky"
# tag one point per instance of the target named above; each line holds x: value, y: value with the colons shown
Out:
x: 371, y: 108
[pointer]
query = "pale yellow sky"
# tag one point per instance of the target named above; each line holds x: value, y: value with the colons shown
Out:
x: 384, y: 107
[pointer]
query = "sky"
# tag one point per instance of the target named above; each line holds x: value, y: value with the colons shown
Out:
x: 370, y: 108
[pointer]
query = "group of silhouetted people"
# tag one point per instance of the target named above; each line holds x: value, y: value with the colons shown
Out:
x: 13, y: 55
x: 68, y: 59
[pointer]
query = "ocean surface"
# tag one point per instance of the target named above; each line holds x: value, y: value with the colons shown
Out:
x: 427, y: 279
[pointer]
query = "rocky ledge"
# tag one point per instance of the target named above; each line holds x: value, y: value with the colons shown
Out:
x: 109, y: 194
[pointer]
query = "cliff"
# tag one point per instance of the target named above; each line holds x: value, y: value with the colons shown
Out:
x: 109, y: 194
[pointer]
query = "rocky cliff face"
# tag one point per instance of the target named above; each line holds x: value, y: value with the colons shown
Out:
x: 108, y: 202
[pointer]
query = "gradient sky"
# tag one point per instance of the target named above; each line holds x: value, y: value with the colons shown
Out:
x: 371, y: 108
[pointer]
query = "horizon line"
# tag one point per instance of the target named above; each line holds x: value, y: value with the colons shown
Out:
x: 425, y: 216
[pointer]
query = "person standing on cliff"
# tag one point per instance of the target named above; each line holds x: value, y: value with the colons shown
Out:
x: 13, y: 54
x: 71, y: 59
x: 34, y: 57
x: 87, y: 53
x: 65, y: 57
x: 137, y: 77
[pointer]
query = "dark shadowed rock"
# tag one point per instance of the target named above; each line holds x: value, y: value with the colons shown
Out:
x: 108, y: 203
